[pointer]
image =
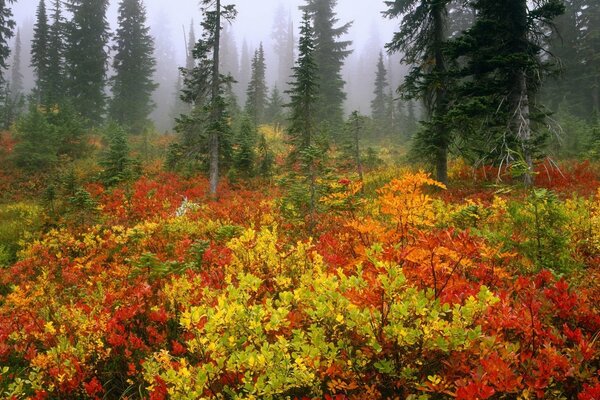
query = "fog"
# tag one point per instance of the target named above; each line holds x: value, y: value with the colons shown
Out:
x: 170, y: 20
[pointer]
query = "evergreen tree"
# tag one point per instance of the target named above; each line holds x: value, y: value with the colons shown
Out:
x: 274, y: 110
x: 302, y: 128
x: 590, y: 52
x: 265, y: 158
x: 116, y: 162
x: 245, y: 70
x: 37, y: 145
x: 329, y: 56
x: 204, y: 88
x: 134, y: 66
x: 86, y: 56
x: 421, y: 39
x: 191, y: 43
x: 54, y: 93
x: 256, y: 95
x: 16, y: 77
x: 244, y: 157
x: 39, y: 50
x: 381, y: 109
x: 230, y: 64
x: 7, y: 25
x: 505, y: 70
x: 283, y: 38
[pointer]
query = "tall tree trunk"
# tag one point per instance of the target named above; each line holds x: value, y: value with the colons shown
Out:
x: 520, y: 105
x: 216, y: 108
x: 440, y: 106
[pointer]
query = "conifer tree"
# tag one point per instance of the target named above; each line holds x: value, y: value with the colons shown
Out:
x: 256, y: 95
x: 329, y: 55
x: 590, y: 53
x: 7, y: 25
x: 380, y: 105
x: 421, y: 40
x: 245, y: 70
x: 274, y: 110
x: 245, y: 157
x: 54, y: 93
x: 283, y: 38
x: 204, y: 88
x: 16, y: 77
x: 39, y: 50
x: 86, y: 56
x: 302, y: 129
x: 116, y: 162
x: 191, y: 43
x: 134, y: 65
x: 504, y: 65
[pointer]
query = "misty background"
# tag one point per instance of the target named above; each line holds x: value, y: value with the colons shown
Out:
x: 256, y: 22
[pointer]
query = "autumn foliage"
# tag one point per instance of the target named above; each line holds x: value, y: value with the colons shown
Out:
x: 407, y: 292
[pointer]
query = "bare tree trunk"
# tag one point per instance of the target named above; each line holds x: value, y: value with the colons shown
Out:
x: 216, y: 108
x: 521, y: 123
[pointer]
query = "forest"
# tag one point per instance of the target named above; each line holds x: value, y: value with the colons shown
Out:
x: 266, y: 235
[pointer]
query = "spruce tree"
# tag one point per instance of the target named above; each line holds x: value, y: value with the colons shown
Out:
x: 39, y: 50
x: 86, y: 56
x: 204, y: 89
x: 16, y: 76
x: 329, y: 55
x: 274, y: 110
x: 302, y: 129
x: 244, y: 157
x: 590, y: 53
x: 505, y: 73
x: 256, y: 95
x: 7, y: 25
x: 134, y: 65
x: 116, y: 162
x: 191, y: 43
x: 283, y: 38
x: 54, y: 93
x: 421, y: 39
x: 380, y: 105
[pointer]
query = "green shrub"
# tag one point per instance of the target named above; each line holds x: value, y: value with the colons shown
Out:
x: 18, y: 222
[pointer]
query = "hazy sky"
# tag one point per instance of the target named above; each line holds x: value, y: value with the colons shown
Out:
x: 255, y: 19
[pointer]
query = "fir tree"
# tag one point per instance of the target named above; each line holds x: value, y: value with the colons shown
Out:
x: 245, y: 156
x: 39, y: 50
x: 504, y: 65
x: 590, y: 53
x: 116, y: 161
x: 302, y: 128
x: 274, y: 110
x: 245, y: 70
x: 37, y: 145
x: 191, y: 43
x: 256, y: 95
x: 134, y: 65
x: 86, y: 56
x: 7, y: 25
x: 204, y: 88
x: 380, y: 105
x: 54, y: 93
x: 16, y: 76
x: 329, y: 56
x: 283, y: 38
x: 421, y: 40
